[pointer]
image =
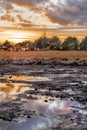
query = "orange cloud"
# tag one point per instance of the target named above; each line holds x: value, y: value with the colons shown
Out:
x: 7, y: 18
x: 31, y: 4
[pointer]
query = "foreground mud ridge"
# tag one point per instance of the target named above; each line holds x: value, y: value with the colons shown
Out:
x: 43, y: 94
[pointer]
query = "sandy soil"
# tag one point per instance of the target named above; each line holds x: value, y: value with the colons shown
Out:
x: 44, y: 54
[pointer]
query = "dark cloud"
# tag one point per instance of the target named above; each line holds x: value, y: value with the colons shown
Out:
x: 62, y: 12
x: 71, y: 12
x: 56, y: 18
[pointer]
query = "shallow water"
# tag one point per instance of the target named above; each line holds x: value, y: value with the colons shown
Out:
x: 48, y: 114
x: 34, y: 123
x: 54, y: 108
x: 9, y: 90
x: 25, y: 78
x: 49, y: 110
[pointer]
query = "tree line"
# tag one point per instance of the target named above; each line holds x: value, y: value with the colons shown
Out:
x: 45, y: 43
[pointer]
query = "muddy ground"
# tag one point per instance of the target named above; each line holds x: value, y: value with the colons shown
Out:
x: 48, y: 83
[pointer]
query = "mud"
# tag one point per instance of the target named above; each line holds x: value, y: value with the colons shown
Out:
x: 43, y: 94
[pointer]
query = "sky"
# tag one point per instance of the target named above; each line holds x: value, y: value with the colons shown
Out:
x: 29, y: 19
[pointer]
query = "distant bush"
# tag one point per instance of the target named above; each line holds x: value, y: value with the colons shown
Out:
x: 54, y: 43
x: 83, y: 44
x: 70, y: 43
x: 44, y: 43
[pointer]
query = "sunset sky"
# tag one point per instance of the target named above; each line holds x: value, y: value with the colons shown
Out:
x: 29, y: 19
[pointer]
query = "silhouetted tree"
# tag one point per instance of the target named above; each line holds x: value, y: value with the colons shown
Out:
x: 83, y: 44
x: 42, y: 43
x: 54, y: 43
x: 70, y: 43
x: 24, y: 46
x: 7, y: 46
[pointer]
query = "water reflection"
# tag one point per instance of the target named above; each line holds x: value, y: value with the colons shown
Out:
x: 34, y: 123
x: 48, y: 112
x: 11, y: 90
x: 53, y: 108
x: 47, y: 115
x: 26, y: 78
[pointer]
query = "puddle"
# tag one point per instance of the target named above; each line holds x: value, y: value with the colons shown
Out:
x: 70, y: 91
x: 11, y: 90
x: 48, y: 111
x: 53, y: 108
x: 48, y: 114
x: 84, y: 83
x: 34, y: 123
x: 25, y: 78
x: 64, y: 75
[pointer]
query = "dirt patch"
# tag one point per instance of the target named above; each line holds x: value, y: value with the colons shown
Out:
x: 44, y: 55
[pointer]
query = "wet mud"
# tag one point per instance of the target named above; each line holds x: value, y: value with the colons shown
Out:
x: 43, y: 94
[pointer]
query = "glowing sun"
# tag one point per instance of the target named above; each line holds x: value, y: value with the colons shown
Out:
x: 18, y: 36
